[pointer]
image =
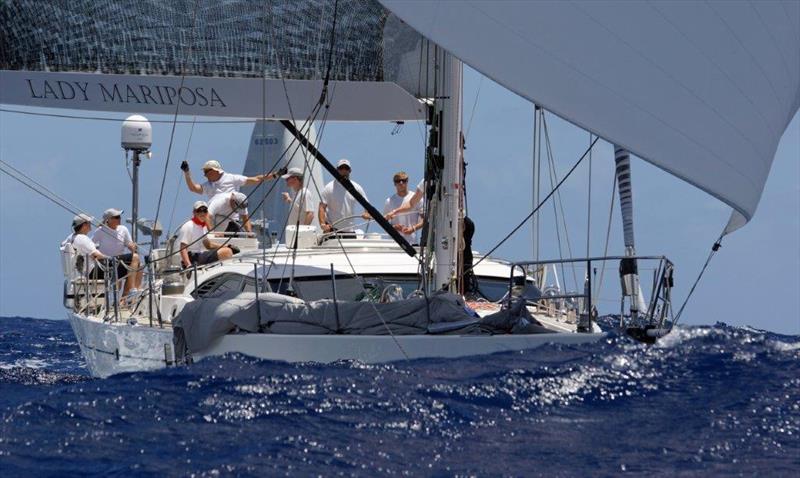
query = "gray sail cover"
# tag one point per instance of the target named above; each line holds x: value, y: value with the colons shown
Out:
x: 703, y: 90
x: 203, y: 321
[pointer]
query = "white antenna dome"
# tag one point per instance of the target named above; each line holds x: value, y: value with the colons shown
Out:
x: 137, y: 134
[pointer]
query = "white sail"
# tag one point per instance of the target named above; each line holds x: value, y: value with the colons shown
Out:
x: 701, y: 90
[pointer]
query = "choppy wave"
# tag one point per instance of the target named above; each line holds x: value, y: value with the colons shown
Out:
x: 705, y: 400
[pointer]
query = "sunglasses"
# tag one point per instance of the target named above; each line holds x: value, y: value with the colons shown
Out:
x: 398, y: 181
x: 201, y: 210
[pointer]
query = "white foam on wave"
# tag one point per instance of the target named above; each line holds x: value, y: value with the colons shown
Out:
x: 784, y: 346
x: 25, y: 363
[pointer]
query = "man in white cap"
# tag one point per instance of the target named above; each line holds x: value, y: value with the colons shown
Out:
x: 302, y: 209
x: 195, y: 246
x: 407, y: 223
x: 227, y: 212
x: 218, y: 181
x: 83, y: 245
x: 337, y: 203
x: 114, y: 240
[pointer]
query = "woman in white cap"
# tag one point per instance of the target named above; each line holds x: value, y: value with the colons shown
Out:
x: 218, y: 181
x: 83, y: 245
x: 114, y: 240
x: 195, y: 246
x: 337, y: 203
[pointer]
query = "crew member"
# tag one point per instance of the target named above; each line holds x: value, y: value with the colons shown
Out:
x: 195, y: 246
x: 301, y: 200
x: 407, y: 223
x: 114, y: 240
x: 218, y: 181
x: 83, y: 245
x: 412, y: 202
x: 337, y: 205
x: 226, y: 211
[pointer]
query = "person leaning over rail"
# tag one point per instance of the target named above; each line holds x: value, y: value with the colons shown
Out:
x: 338, y: 204
x: 407, y: 223
x: 218, y: 181
x: 302, y: 204
x: 226, y: 211
x: 114, y: 240
x: 83, y: 245
x: 195, y: 246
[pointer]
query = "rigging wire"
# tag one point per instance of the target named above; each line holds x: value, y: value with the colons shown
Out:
x: 714, y: 249
x: 178, y: 185
x: 175, y: 116
x: 538, y: 206
x: 38, y: 188
x: 560, y: 202
x: 474, y: 107
x: 598, y: 286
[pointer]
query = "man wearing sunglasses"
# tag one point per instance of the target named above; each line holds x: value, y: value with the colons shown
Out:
x: 337, y: 204
x: 114, y: 240
x: 409, y: 222
x: 195, y: 246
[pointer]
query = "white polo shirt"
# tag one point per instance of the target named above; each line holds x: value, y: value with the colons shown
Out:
x: 227, y: 183
x: 302, y: 202
x: 410, y: 218
x: 190, y: 234
x: 112, y: 242
x: 341, y: 204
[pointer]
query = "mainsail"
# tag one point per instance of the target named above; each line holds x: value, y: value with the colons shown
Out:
x: 701, y: 90
x: 204, y: 57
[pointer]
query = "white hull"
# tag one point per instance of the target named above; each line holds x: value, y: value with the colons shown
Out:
x: 116, y: 348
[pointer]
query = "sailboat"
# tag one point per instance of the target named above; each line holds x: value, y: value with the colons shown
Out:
x: 675, y: 84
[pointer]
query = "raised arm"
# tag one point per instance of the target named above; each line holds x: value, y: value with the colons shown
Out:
x: 187, y: 175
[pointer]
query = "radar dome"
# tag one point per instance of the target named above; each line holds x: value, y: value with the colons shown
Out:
x: 137, y: 134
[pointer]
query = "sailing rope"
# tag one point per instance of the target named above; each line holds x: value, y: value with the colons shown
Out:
x: 178, y: 185
x: 538, y: 206
x: 599, y: 285
x: 175, y: 116
x: 553, y: 176
x: 714, y: 249
x: 38, y: 188
x: 324, y: 98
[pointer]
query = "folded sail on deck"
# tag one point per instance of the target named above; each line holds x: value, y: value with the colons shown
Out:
x: 701, y: 90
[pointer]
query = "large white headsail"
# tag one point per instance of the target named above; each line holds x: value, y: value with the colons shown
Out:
x: 702, y: 90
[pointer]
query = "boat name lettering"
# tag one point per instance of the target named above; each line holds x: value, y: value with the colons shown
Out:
x: 124, y: 93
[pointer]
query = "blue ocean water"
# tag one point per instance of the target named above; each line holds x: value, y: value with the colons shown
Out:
x: 713, y: 400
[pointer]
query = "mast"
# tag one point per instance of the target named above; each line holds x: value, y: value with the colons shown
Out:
x: 449, y: 216
x: 628, y: 268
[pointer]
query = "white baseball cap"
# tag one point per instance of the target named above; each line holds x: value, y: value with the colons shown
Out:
x: 80, y: 219
x: 199, y: 204
x: 240, y: 199
x: 213, y: 165
x: 293, y: 173
x: 343, y: 162
x: 111, y: 212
